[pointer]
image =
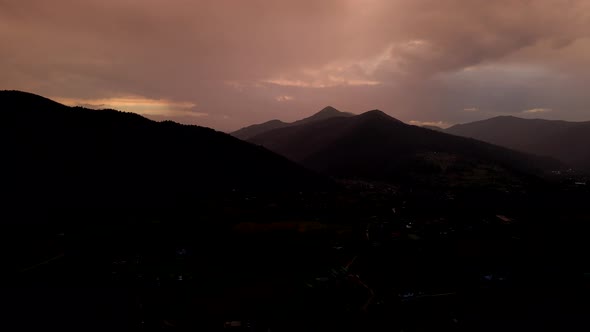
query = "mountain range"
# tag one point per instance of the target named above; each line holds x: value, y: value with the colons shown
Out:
x: 563, y: 140
x: 377, y: 146
x: 60, y: 156
x: 253, y: 130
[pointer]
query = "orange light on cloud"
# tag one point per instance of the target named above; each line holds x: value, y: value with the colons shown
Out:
x: 139, y: 105
x: 440, y: 124
x: 538, y: 110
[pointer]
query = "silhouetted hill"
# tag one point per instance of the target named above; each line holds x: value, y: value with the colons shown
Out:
x: 327, y: 112
x: 433, y: 128
x: 56, y: 155
x: 257, y: 129
x: 377, y: 146
x: 566, y: 141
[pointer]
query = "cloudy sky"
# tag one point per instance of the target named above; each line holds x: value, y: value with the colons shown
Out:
x: 229, y: 63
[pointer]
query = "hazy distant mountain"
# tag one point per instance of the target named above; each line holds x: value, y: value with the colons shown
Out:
x: 257, y: 129
x: 432, y: 128
x: 375, y: 145
x: 566, y: 141
x: 56, y: 155
x: 327, y: 112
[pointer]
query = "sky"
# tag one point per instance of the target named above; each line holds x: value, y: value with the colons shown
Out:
x: 226, y: 64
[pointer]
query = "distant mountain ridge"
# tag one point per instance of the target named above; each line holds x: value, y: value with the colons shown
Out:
x: 378, y: 146
x: 257, y: 129
x: 563, y: 140
x: 432, y: 127
x: 60, y: 156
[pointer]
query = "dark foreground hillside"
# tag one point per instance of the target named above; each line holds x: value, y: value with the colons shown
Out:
x: 58, y: 156
x: 332, y: 263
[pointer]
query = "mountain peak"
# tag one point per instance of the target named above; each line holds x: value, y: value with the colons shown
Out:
x: 326, y: 113
x: 328, y: 110
x: 378, y: 114
x: 375, y: 112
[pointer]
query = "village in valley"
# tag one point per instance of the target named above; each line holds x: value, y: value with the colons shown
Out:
x: 385, y: 256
